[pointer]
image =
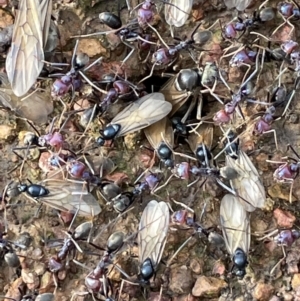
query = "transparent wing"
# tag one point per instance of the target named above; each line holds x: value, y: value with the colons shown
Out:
x: 204, y: 134
x: 235, y: 224
x: 161, y: 128
x: 231, y: 3
x: 41, y: 104
x: 142, y: 113
x: 100, y: 165
x: 177, y: 17
x: 173, y: 96
x: 46, y: 10
x: 153, y: 229
x: 53, y: 38
x: 70, y: 196
x: 5, y: 99
x: 248, y: 185
x: 24, y: 59
x: 4, y: 79
x: 37, y: 100
x: 238, y: 4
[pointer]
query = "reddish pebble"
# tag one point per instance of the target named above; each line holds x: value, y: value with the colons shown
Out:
x: 283, y: 218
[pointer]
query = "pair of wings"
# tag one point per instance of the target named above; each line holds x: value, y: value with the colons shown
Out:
x: 177, y: 12
x: 237, y: 4
x: 153, y: 229
x: 70, y: 196
x: 142, y: 113
x: 24, y: 60
x: 248, y: 184
x: 235, y: 224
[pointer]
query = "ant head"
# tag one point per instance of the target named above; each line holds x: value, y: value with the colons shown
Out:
x: 115, y: 241
x: 164, y: 152
x: 100, y: 141
x: 30, y: 139
x: 22, y: 187
x: 147, y: 270
x: 187, y: 79
x: 136, y: 192
x: 81, y: 60
x: 169, y: 163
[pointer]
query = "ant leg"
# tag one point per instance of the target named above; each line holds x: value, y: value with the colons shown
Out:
x: 165, y: 184
x: 48, y: 64
x: 33, y: 126
x: 159, y: 36
x: 133, y: 49
x: 65, y: 108
x: 14, y: 150
x: 189, y: 110
x: 122, y: 284
x: 81, y: 265
x: 191, y: 184
x: 276, y: 162
x: 98, y: 60
x: 197, y: 125
x: 286, y: 20
x: 227, y: 145
x: 289, y: 102
x: 226, y: 187
x: 80, y: 294
x: 279, y: 262
x: 184, y: 156
x: 275, y: 136
x: 260, y: 35
x: 214, y: 24
x: 223, y: 80
x: 268, y: 236
x: 263, y: 4
x: 151, y: 73
x: 257, y: 67
x: 133, y: 11
x: 211, y: 91
x: 128, y: 5
x: 88, y: 124
x: 141, y: 175
x: 172, y: 31
x: 246, y: 73
x: 199, y: 106
x: 184, y: 244
x: 203, y: 210
x: 55, y: 283
x: 91, y: 83
x: 232, y: 53
x: 22, y: 163
x: 183, y: 206
x: 74, y: 53
x: 291, y: 191
x: 178, y: 250
x: 290, y: 147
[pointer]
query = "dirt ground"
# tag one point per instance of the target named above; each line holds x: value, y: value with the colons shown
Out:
x: 201, y: 271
